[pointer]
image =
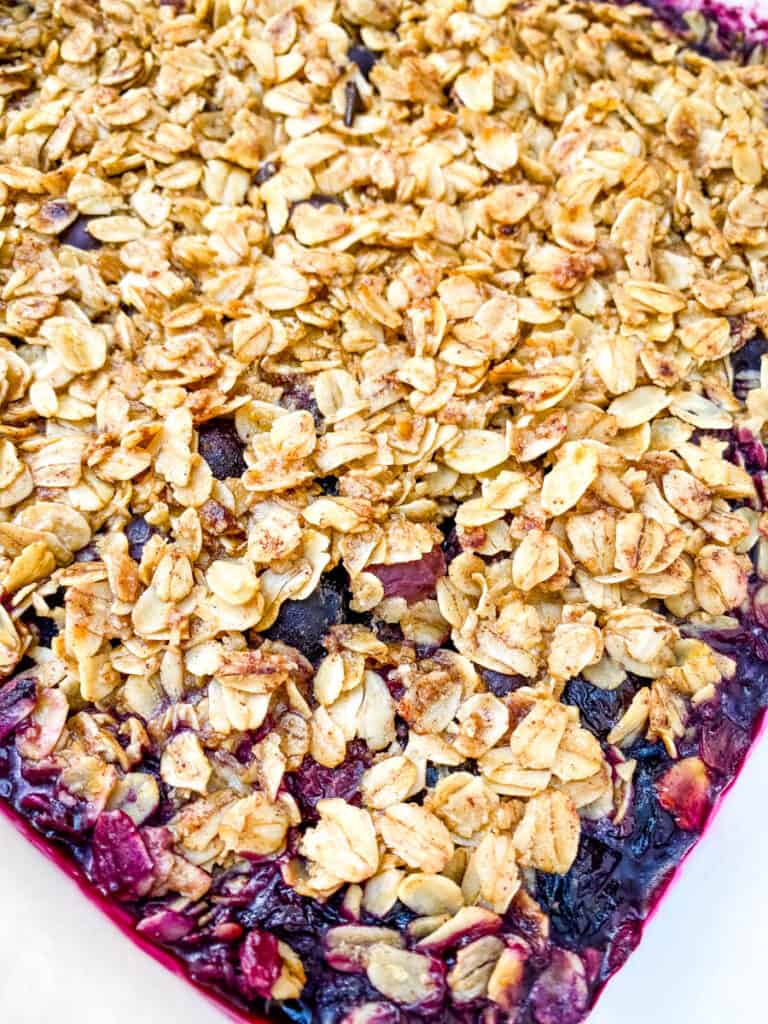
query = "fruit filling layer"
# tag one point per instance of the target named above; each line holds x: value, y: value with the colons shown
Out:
x: 383, y: 544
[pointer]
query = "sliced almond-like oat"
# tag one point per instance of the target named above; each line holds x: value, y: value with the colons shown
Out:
x: 469, y: 977
x: 548, y: 836
x: 476, y: 451
x: 492, y: 877
x: 430, y: 894
x: 416, y: 835
x: 388, y: 782
x: 536, y: 740
x: 406, y: 978
x: 184, y: 763
x: 344, y: 843
x: 570, y: 478
x: 348, y: 947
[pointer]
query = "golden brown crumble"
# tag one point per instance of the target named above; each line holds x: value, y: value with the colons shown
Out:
x: 507, y: 273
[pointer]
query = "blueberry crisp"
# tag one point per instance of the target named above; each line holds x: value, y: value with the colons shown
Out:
x: 383, y: 530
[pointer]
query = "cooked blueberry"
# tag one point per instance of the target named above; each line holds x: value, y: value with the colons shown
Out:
x: 27, y: 666
x: 747, y: 358
x: 560, y: 994
x: 220, y: 445
x: 138, y: 531
x: 88, y: 554
x: 500, y: 684
x: 339, y: 992
x: 398, y: 917
x: 22, y: 688
x: 214, y: 965
x: 56, y: 599
x: 319, y: 200
x: 650, y: 754
x: 600, y: 709
x: 353, y: 104
x: 451, y: 544
x: 313, y: 782
x: 165, y: 925
x: 414, y: 580
x: 260, y: 963
x: 17, y: 700
x: 265, y: 901
x: 653, y: 828
x: 56, y: 819
x: 303, y: 624
x: 329, y: 484
x: 623, y: 943
x: 435, y: 773
x: 121, y: 864
x: 723, y: 745
x: 394, y: 684
x: 747, y: 693
x: 78, y: 235
x: 582, y: 903
x: 363, y: 58
x: 44, y: 626
x: 388, y: 632
x: 402, y: 731
x: 265, y: 172
x: 747, y: 450
x: 300, y: 398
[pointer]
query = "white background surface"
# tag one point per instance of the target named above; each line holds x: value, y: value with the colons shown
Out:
x: 704, y: 958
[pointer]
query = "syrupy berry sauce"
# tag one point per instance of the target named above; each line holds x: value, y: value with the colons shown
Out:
x: 620, y: 867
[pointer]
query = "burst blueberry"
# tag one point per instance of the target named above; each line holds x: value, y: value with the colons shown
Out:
x: 78, y: 236
x: 222, y: 448
x: 304, y: 624
x: 364, y: 58
x: 138, y: 531
x: 265, y: 172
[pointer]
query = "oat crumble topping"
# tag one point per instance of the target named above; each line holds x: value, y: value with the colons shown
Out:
x: 418, y: 316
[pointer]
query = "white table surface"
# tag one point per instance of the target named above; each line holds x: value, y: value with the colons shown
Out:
x: 704, y: 958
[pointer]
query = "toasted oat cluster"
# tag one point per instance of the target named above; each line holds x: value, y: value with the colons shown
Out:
x: 366, y: 386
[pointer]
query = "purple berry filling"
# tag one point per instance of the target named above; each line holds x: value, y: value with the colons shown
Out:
x: 414, y: 580
x: 138, y: 531
x: 363, y: 58
x: 228, y: 940
x: 313, y: 782
x: 221, y: 447
x: 121, y: 863
x: 304, y: 624
x: 78, y: 236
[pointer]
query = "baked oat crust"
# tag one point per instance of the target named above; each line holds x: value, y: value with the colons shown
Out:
x: 276, y: 312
